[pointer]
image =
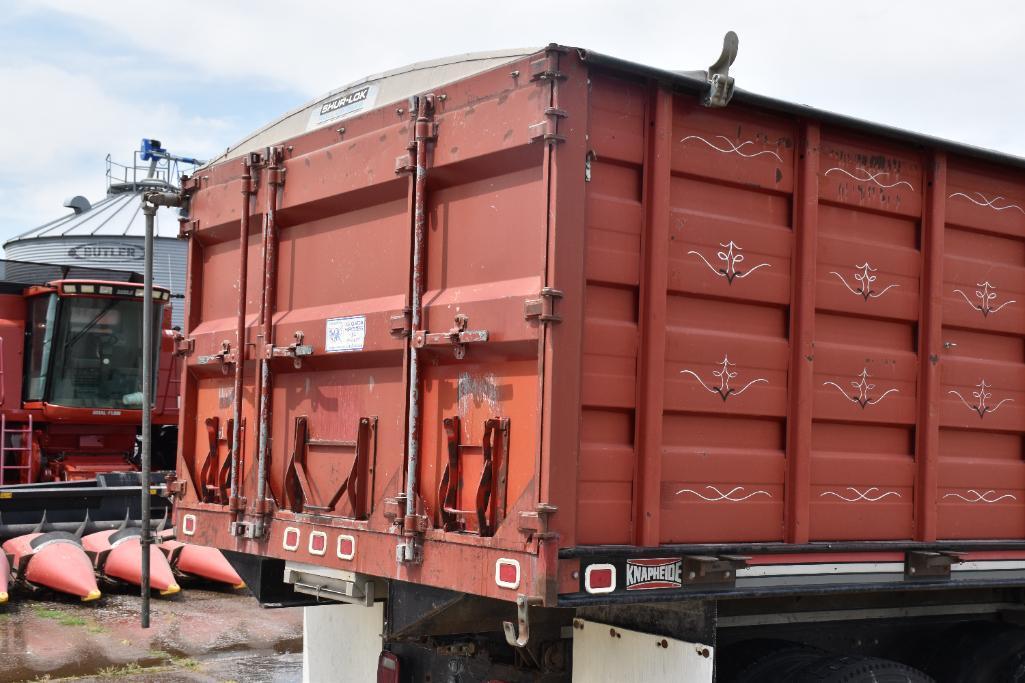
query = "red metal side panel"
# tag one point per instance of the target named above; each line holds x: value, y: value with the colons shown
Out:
x: 981, y: 475
x: 768, y: 347
x: 727, y: 357
x: 867, y: 306
x: 12, y: 348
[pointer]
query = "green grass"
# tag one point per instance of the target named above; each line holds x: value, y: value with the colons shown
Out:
x: 123, y: 671
x: 62, y: 618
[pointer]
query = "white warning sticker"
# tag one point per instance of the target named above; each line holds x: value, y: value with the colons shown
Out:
x: 346, y: 334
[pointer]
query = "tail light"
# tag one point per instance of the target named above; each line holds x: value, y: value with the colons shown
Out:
x: 388, y: 668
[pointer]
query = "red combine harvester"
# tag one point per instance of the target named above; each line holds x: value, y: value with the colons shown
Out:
x: 70, y: 410
x: 70, y: 378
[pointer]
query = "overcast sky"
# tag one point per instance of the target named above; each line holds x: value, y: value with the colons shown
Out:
x: 83, y: 78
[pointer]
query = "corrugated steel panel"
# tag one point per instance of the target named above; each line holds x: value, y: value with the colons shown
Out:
x: 169, y: 258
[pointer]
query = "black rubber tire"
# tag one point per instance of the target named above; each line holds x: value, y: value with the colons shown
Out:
x: 854, y: 669
x: 975, y: 651
x: 732, y: 659
x: 781, y: 665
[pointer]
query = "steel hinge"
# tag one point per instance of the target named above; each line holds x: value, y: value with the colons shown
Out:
x: 184, y: 346
x: 720, y: 83
x: 186, y: 227
x: 543, y: 307
x: 406, y: 163
x: 534, y: 523
x: 923, y: 564
x: 548, y: 129
x: 394, y: 509
x: 547, y: 68
x: 399, y: 323
x: 296, y: 350
x: 175, y: 487
x: 458, y: 337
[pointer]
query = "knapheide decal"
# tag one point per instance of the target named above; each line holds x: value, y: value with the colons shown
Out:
x: 651, y: 573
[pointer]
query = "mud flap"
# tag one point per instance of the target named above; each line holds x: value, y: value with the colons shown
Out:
x: 610, y: 653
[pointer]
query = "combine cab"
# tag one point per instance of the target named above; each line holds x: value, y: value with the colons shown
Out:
x: 70, y: 374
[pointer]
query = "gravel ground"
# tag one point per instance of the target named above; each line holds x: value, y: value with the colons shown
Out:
x: 198, y: 635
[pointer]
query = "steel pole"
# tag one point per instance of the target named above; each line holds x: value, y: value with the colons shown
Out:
x: 147, y: 405
x: 240, y: 344
x: 422, y: 133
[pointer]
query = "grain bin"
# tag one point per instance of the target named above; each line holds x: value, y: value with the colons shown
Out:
x: 110, y: 232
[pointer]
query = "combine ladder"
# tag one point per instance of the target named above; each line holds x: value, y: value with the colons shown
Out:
x: 6, y: 446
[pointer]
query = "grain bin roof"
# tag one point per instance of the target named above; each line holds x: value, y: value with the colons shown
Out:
x: 119, y: 214
x: 372, y: 91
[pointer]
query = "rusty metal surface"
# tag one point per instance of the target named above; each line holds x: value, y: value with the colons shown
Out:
x: 728, y: 326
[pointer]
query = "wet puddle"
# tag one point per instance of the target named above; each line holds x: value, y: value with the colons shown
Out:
x: 199, y: 635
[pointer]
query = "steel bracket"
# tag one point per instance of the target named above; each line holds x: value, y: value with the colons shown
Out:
x: 225, y: 357
x: 458, y: 337
x: 518, y: 634
x: 406, y: 163
x: 547, y: 68
x: 548, y: 129
x: 399, y: 322
x: 296, y: 350
x: 543, y: 307
x: 534, y: 524
x: 922, y: 564
x: 184, y: 346
x: 720, y: 83
x: 190, y: 184
x: 175, y: 487
x: 704, y: 570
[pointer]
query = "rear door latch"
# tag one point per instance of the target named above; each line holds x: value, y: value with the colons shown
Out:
x: 458, y: 337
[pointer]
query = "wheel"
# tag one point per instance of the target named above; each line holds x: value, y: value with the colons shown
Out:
x: 780, y: 665
x: 854, y: 669
x: 732, y: 659
x: 975, y: 651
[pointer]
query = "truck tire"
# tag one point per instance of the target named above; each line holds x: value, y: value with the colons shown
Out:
x: 976, y: 651
x: 780, y: 665
x: 854, y: 669
x: 732, y: 659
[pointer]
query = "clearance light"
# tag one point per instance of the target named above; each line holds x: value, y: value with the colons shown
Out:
x: 290, y: 540
x: 140, y: 292
x: 71, y: 289
x: 167, y: 295
x: 600, y: 578
x: 158, y: 294
x: 126, y: 292
x: 507, y: 573
x: 346, y: 547
x: 88, y: 289
x: 106, y: 289
x: 189, y: 525
x: 388, y: 668
x: 318, y: 542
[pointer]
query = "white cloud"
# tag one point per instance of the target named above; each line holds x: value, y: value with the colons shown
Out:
x: 940, y: 67
x: 60, y: 127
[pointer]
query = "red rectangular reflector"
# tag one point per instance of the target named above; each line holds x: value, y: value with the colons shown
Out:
x: 346, y: 547
x: 318, y: 543
x: 291, y: 541
x: 600, y: 579
x: 388, y: 668
x: 507, y: 572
